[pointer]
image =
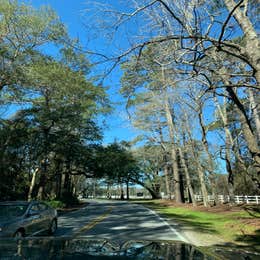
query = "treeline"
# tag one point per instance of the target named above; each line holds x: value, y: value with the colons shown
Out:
x: 50, y: 135
x: 191, y: 82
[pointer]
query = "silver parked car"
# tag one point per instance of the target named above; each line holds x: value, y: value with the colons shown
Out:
x: 22, y: 218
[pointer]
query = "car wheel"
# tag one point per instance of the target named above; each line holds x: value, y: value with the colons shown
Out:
x: 53, y: 227
x: 19, y: 234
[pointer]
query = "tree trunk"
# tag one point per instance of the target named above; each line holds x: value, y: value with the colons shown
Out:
x: 58, y: 178
x: 66, y: 185
x: 108, y: 191
x: 206, y: 149
x: 228, y: 148
x: 94, y: 188
x: 187, y: 176
x: 40, y: 194
x: 155, y: 193
x: 166, y: 164
x: 127, y: 190
x: 176, y: 174
x: 230, y: 177
x: 58, y: 185
x: 43, y: 180
x: 167, y: 182
x: 32, y: 185
x: 255, y: 112
x: 199, y: 169
x: 252, y: 48
x: 122, y: 196
x: 202, y: 184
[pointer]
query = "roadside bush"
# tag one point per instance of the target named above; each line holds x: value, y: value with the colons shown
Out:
x: 57, y: 204
x: 68, y: 199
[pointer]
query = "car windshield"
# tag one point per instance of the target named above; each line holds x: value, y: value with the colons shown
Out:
x: 8, y: 211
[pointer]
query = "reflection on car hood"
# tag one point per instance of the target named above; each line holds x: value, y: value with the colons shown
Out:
x: 81, y: 248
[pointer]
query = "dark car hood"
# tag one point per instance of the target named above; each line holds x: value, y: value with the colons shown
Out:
x: 82, y: 248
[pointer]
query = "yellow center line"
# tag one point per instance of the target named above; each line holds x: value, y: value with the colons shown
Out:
x: 94, y: 222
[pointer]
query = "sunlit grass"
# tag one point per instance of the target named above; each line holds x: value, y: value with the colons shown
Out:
x: 235, y: 227
x: 228, y: 225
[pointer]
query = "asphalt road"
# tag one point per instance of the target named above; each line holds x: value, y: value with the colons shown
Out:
x: 116, y: 220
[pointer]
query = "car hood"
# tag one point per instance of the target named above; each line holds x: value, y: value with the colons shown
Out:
x: 82, y: 248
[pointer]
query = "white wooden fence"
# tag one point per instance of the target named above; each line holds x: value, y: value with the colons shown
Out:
x: 199, y: 198
x: 238, y: 199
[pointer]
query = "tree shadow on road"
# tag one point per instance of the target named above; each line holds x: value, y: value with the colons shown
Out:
x: 251, y: 239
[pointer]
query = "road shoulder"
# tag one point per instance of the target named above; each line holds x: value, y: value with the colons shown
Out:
x: 187, y: 233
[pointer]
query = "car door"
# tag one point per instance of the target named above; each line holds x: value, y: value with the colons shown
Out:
x: 45, y: 216
x: 34, y: 219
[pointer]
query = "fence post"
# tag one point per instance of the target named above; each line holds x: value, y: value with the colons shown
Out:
x: 221, y: 198
x: 256, y: 198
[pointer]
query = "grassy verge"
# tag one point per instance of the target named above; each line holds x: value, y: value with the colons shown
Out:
x: 57, y: 204
x: 236, y: 225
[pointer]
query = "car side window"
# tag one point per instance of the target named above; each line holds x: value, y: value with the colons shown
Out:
x: 42, y: 207
x: 34, y: 208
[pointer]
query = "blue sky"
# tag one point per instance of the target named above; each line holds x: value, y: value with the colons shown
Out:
x: 74, y: 15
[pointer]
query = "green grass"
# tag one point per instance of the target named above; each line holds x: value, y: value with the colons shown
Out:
x: 57, y: 204
x: 233, y: 227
